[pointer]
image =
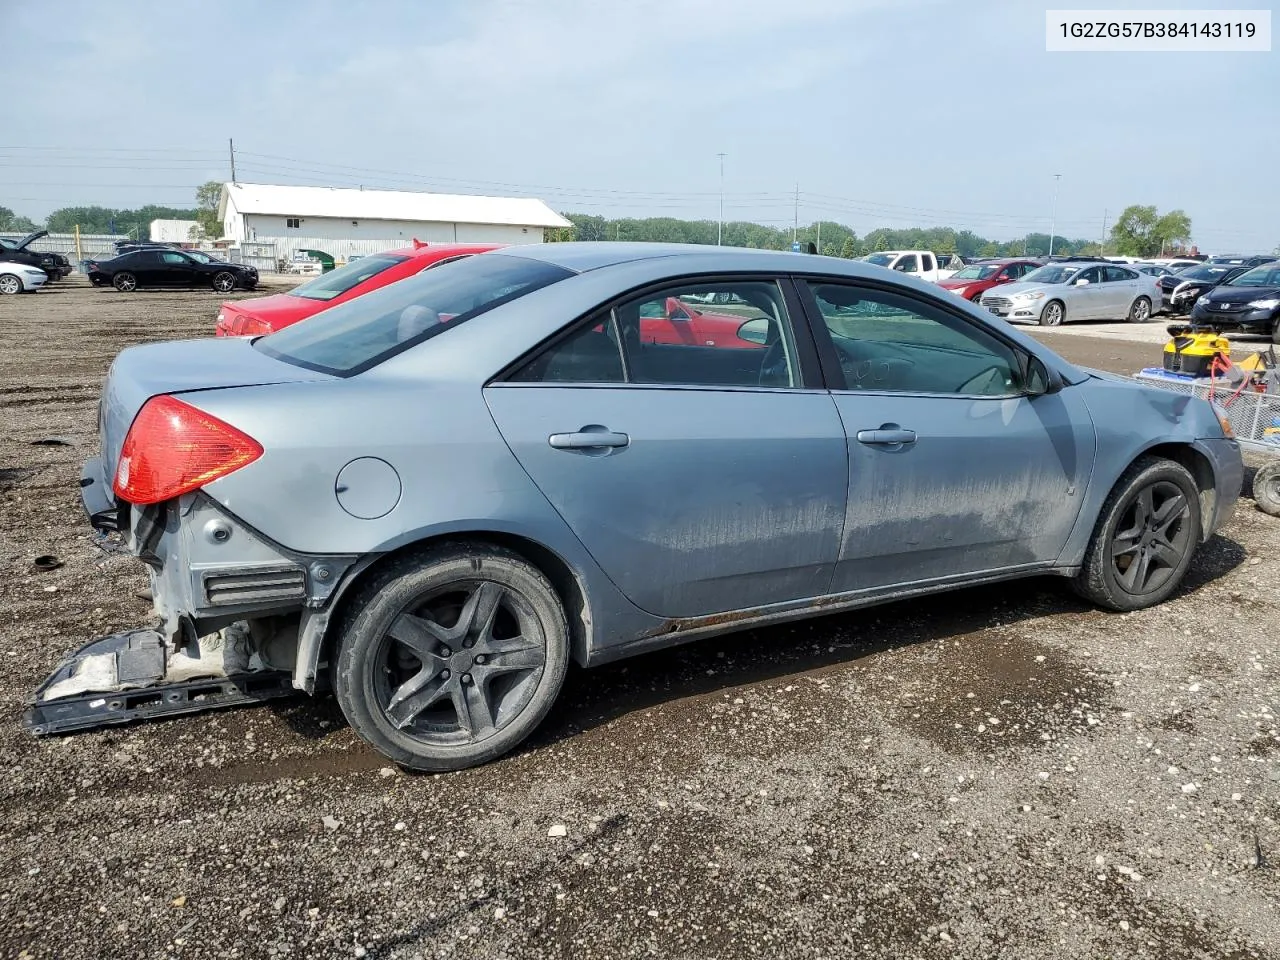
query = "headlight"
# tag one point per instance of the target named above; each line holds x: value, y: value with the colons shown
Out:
x: 1270, y: 304
x: 1033, y: 295
x: 1223, y: 420
x: 959, y: 291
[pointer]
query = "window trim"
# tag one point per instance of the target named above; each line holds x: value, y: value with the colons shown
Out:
x: 808, y: 360
x: 833, y: 373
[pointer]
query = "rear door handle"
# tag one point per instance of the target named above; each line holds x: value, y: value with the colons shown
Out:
x: 587, y: 440
x: 887, y: 436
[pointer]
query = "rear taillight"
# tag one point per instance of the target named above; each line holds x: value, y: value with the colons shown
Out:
x: 246, y: 326
x: 172, y: 448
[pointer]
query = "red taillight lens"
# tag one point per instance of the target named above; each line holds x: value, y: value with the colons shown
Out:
x: 244, y: 326
x: 173, y: 448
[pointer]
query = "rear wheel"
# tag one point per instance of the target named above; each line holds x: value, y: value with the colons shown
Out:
x: 1145, y: 536
x: 1140, y: 312
x: 1266, y: 488
x: 451, y: 657
x: 1275, y: 330
x: 125, y: 282
x: 10, y: 284
x: 1053, y: 314
x: 224, y: 281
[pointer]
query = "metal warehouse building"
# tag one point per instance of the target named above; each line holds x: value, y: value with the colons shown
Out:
x: 345, y: 222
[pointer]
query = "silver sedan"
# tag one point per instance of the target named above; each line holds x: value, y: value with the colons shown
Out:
x: 1062, y: 291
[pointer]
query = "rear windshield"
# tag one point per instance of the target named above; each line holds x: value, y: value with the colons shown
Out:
x: 361, y: 333
x: 335, y: 283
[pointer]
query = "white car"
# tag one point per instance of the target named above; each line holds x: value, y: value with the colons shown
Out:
x: 20, y: 278
x: 918, y: 263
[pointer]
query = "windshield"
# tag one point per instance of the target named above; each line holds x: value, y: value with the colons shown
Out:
x: 337, y: 282
x: 880, y: 259
x: 1051, y: 273
x: 1267, y: 275
x: 975, y: 273
x: 1205, y: 273
x: 354, y: 336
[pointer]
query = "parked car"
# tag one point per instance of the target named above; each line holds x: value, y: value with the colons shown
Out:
x: 155, y: 268
x: 54, y: 265
x: 1156, y: 270
x: 1176, y: 264
x: 1058, y: 292
x: 268, y: 314
x: 444, y: 491
x: 1249, y: 303
x: 917, y: 263
x: 1180, y: 291
x: 1242, y: 261
x: 20, y: 278
x: 973, y: 281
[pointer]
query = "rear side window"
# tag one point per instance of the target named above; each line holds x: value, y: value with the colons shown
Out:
x: 361, y: 333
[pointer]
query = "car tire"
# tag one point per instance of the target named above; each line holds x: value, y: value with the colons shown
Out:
x: 404, y: 681
x: 125, y: 282
x: 1275, y: 330
x: 224, y: 281
x: 1140, y: 312
x: 1266, y: 488
x: 1053, y: 314
x: 10, y: 284
x: 977, y: 297
x: 1144, y: 539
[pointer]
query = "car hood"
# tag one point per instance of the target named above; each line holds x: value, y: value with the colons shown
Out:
x: 1229, y: 294
x: 951, y: 283
x: 31, y: 238
x: 182, y: 366
x: 278, y: 305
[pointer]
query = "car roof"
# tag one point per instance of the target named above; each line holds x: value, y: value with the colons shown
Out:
x: 583, y: 256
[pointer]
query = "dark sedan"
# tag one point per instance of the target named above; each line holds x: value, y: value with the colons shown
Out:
x: 171, y: 268
x: 1250, y: 303
x: 1180, y: 291
x: 18, y: 251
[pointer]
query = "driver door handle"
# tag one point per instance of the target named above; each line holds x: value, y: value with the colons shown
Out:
x: 587, y: 440
x: 887, y: 436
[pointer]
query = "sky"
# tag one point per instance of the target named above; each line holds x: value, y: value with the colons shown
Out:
x: 890, y: 113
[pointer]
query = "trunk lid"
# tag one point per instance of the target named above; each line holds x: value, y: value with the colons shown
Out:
x: 176, y: 367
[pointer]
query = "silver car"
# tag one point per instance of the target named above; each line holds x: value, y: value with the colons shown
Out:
x: 434, y: 497
x: 1069, y: 290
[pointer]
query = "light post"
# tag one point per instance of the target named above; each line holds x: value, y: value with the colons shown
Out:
x: 1053, y: 220
x: 720, y: 223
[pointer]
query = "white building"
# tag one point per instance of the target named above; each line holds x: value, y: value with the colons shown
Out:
x: 173, y: 231
x: 345, y: 222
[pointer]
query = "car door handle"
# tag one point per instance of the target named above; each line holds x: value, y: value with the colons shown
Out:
x: 887, y: 436
x: 588, y: 440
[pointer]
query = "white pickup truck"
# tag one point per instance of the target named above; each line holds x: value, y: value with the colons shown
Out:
x: 919, y: 263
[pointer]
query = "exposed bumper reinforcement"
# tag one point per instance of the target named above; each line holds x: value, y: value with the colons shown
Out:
x: 129, y: 670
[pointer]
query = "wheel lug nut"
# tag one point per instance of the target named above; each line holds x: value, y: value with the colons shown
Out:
x: 446, y: 652
x: 480, y: 658
x: 444, y: 674
x: 466, y: 678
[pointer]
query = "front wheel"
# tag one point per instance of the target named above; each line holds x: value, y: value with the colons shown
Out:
x: 1266, y: 488
x: 1144, y: 538
x: 451, y: 657
x: 1053, y: 314
x: 224, y: 282
x: 1140, y: 312
x: 125, y: 282
x: 10, y: 284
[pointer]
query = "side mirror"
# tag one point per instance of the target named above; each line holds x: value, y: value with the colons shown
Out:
x: 1082, y: 282
x: 755, y: 331
x: 1038, y: 379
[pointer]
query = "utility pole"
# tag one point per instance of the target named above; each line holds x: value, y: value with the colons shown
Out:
x: 795, y: 223
x: 231, y: 145
x: 819, y: 236
x: 1053, y: 220
x: 1102, y: 244
x: 720, y: 224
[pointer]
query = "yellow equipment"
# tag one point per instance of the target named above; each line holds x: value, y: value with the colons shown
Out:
x: 1199, y: 353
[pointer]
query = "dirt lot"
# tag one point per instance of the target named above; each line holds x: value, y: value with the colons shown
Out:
x: 995, y: 772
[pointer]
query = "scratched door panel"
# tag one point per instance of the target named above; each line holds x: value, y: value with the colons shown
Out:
x: 989, y: 483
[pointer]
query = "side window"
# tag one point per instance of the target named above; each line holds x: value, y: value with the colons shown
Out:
x: 928, y: 261
x: 1093, y: 275
x: 725, y: 334
x: 908, y: 264
x: 174, y: 258
x: 887, y: 342
x: 588, y: 355
x: 292, y: 223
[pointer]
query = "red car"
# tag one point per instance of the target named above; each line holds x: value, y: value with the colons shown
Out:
x: 268, y: 314
x: 973, y: 281
x: 676, y: 321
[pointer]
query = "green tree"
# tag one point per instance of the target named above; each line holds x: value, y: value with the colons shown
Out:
x: 11, y: 222
x: 208, y: 197
x: 849, y: 249
x: 1142, y: 232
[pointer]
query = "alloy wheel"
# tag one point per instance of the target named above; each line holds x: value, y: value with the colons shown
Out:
x: 1053, y: 315
x: 10, y: 284
x: 1152, y: 538
x: 1141, y: 310
x: 459, y: 665
x: 224, y: 283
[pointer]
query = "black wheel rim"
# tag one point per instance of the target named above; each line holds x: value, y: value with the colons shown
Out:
x: 460, y: 663
x: 1152, y: 538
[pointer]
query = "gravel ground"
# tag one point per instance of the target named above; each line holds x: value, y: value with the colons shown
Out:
x: 997, y: 772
